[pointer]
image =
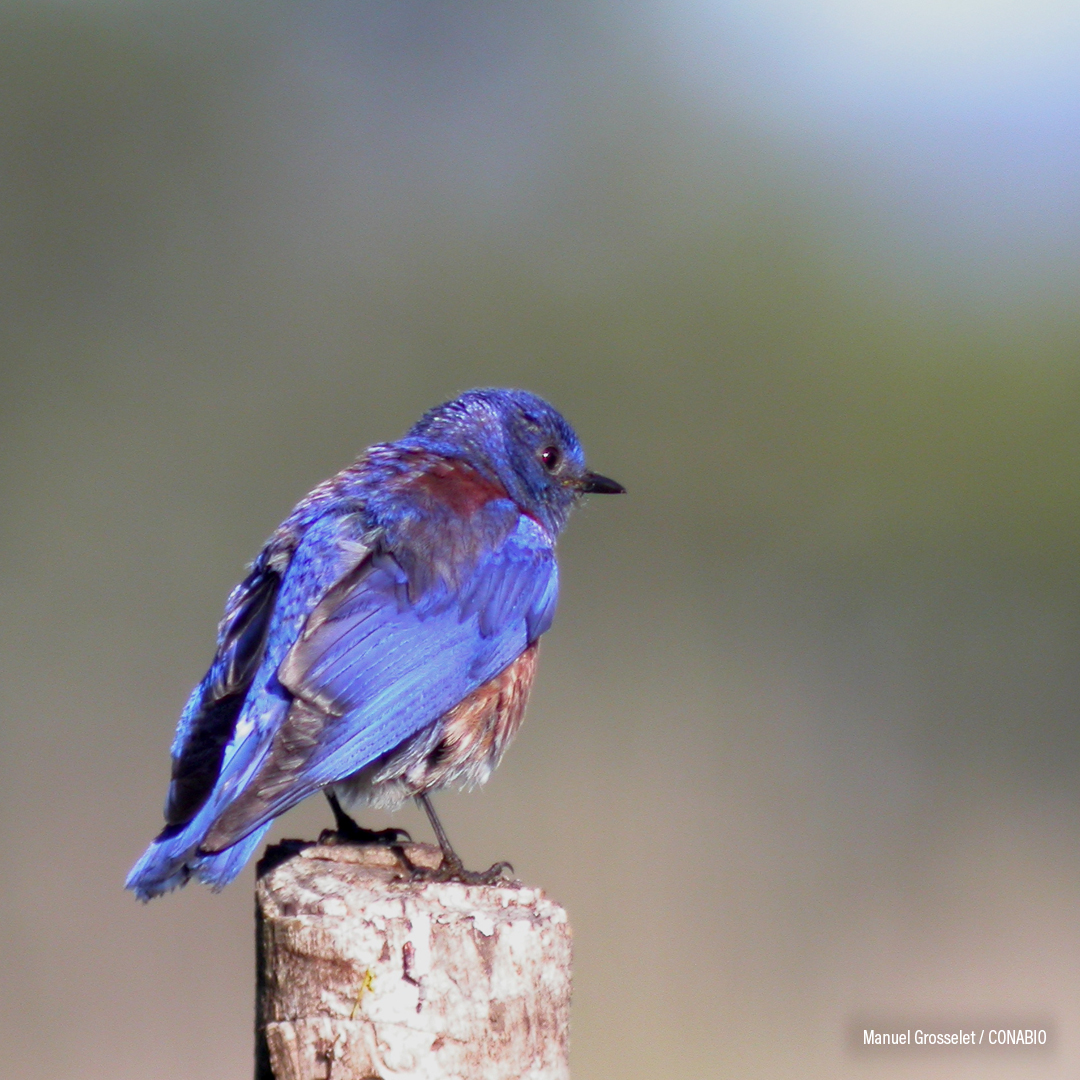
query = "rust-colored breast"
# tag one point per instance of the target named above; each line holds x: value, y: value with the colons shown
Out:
x: 457, y: 486
x: 477, y: 731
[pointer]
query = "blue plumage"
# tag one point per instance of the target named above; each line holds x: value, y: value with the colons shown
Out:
x: 383, y: 643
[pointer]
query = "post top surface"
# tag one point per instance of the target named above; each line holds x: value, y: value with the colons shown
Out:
x: 297, y: 878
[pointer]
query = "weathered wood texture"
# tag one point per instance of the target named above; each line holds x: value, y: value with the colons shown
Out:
x: 364, y: 974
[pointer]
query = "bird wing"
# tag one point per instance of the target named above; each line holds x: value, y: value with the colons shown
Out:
x: 374, y: 664
x: 209, y: 719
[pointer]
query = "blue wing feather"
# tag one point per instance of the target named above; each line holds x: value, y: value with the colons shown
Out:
x: 369, y: 670
x: 208, y: 721
x: 220, y: 750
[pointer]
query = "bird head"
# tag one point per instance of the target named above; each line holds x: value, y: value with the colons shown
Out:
x: 520, y: 440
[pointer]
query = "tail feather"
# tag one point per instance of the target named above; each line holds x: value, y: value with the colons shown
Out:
x: 172, y: 861
x: 219, y: 869
x: 173, y: 858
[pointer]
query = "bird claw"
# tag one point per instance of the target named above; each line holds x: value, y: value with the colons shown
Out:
x: 493, y: 875
x: 453, y: 870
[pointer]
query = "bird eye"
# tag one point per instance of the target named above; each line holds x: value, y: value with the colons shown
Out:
x: 551, y: 457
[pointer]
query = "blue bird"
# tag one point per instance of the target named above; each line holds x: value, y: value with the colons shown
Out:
x: 384, y: 642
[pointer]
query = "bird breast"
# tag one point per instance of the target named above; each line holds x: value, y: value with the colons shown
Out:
x: 461, y: 748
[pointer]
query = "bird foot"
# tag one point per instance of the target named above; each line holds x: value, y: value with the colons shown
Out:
x: 346, y: 831
x: 451, y: 869
x: 352, y: 833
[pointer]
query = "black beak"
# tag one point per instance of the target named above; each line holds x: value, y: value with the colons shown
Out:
x: 595, y: 484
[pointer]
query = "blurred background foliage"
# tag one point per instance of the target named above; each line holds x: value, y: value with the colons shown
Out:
x: 803, y: 276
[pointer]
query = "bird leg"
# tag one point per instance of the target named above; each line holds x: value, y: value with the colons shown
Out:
x: 346, y: 830
x: 451, y: 868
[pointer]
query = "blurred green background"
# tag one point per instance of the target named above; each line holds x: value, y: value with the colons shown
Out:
x: 804, y: 744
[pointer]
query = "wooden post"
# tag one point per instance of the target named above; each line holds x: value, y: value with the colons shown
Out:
x: 365, y: 974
